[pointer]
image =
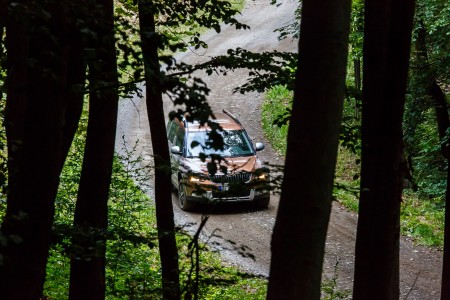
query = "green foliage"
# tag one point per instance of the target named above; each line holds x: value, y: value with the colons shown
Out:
x: 422, y: 142
x: 430, y: 62
x: 346, y: 182
x: 274, y: 105
x: 356, y: 36
x: 423, y: 219
x: 435, y: 15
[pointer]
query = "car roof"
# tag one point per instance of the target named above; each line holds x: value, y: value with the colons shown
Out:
x: 224, y: 119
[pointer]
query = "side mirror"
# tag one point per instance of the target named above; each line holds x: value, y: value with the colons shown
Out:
x: 175, y: 150
x: 259, y: 146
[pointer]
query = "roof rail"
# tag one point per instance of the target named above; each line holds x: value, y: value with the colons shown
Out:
x: 232, y: 116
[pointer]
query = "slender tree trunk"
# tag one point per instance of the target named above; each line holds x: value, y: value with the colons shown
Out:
x: 36, y: 84
x: 299, y: 235
x: 163, y: 189
x: 87, y: 273
x: 387, y: 32
x: 357, y: 70
x: 445, y: 288
x: 430, y: 85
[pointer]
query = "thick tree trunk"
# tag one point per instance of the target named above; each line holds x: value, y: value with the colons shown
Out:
x: 299, y: 235
x: 387, y: 32
x: 75, y: 92
x: 87, y: 273
x: 163, y: 189
x: 36, y: 63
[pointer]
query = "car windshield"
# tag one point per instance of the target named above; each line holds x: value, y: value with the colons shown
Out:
x: 236, y: 144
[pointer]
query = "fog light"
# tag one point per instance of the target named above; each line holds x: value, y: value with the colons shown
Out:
x: 194, y: 179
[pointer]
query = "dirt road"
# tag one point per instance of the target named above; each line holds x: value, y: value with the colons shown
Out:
x: 249, y: 229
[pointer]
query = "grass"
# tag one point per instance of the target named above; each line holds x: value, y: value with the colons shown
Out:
x: 277, y: 99
x: 421, y: 218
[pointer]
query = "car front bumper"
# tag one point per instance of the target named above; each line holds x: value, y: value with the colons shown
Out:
x: 211, y: 196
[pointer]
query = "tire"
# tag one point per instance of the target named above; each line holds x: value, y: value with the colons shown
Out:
x: 183, y: 203
x: 263, y: 203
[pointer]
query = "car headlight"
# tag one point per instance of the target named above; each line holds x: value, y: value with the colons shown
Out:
x: 194, y: 179
x: 262, y: 174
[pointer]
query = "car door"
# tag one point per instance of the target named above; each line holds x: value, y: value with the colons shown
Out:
x: 172, y: 129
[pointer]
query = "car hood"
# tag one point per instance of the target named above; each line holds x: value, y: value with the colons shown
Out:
x: 233, y: 165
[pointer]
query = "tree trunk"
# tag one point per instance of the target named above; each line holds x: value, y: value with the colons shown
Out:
x: 445, y: 288
x: 387, y: 31
x: 431, y: 87
x: 299, y: 235
x: 163, y: 188
x: 75, y: 92
x: 87, y: 273
x: 357, y: 70
x: 36, y: 64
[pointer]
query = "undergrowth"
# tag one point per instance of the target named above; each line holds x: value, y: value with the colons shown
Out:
x: 421, y: 218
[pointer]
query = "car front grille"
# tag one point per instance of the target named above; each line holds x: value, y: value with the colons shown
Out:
x: 238, y: 177
x: 242, y: 194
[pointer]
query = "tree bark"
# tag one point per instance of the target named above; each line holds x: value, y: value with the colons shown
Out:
x: 298, y: 240
x: 87, y: 273
x: 163, y: 188
x: 387, y: 31
x: 76, y: 78
x: 36, y: 84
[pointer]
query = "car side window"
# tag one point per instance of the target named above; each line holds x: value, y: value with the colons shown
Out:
x: 180, y: 138
x: 171, y: 130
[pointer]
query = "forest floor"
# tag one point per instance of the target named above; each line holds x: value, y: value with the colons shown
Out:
x: 239, y: 230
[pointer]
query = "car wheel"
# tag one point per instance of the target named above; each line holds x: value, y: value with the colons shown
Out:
x: 263, y: 203
x: 182, y: 198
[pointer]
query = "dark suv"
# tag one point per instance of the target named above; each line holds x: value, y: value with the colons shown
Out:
x: 203, y: 174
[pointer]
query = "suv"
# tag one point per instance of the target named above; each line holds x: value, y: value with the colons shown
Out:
x: 202, y: 174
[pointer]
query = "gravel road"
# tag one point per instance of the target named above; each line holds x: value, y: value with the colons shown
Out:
x: 249, y: 230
